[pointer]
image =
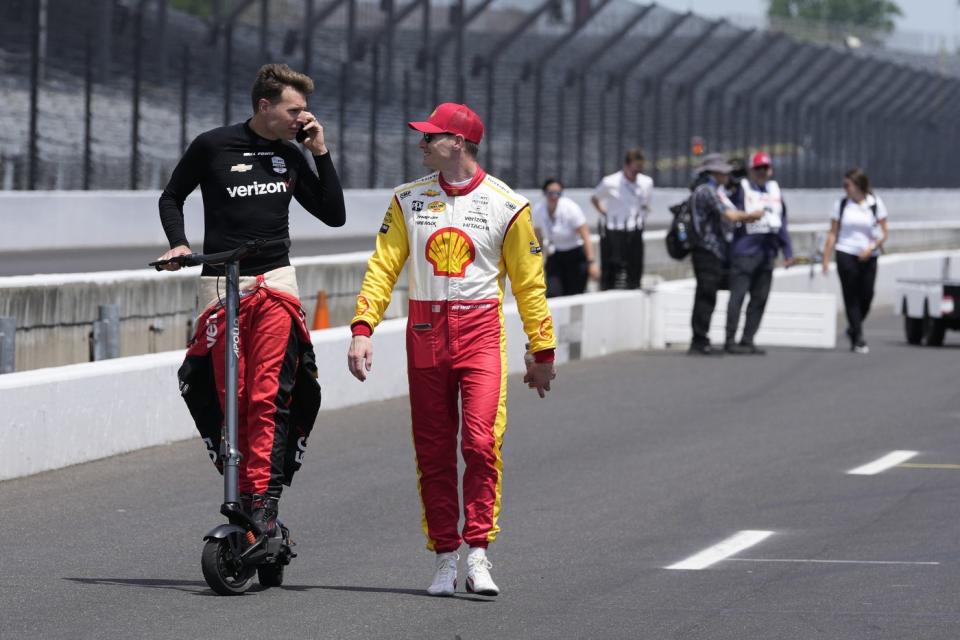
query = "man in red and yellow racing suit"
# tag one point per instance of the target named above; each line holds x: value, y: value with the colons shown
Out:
x: 464, y: 232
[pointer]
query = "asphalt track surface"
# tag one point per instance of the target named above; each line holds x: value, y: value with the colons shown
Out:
x: 634, y: 462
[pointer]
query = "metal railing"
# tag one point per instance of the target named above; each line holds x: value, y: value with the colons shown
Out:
x: 108, y: 94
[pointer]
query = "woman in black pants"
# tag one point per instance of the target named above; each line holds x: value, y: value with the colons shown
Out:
x: 858, y: 229
x: 563, y: 233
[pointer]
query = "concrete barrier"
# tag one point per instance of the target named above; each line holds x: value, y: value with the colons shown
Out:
x: 806, y: 320
x: 86, y: 219
x: 66, y: 415
x: 60, y: 416
x: 803, y: 305
x: 55, y: 313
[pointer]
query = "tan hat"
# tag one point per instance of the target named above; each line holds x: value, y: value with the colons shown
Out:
x: 715, y: 163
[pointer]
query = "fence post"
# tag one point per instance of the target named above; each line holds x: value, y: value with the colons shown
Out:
x: 184, y: 97
x: 8, y: 344
x: 35, y: 53
x: 137, y: 79
x: 105, y: 337
x: 374, y: 113
x: 88, y: 113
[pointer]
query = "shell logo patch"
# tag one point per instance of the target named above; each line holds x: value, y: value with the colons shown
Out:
x: 450, y: 251
x: 546, y: 327
x: 437, y: 206
x: 363, y: 305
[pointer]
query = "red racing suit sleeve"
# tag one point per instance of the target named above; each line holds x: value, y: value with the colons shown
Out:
x: 522, y: 260
x: 383, y: 269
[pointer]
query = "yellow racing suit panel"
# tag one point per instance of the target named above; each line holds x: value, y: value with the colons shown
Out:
x: 383, y: 268
x: 523, y: 262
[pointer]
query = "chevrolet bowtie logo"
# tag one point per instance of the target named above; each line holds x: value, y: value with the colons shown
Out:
x: 240, y: 168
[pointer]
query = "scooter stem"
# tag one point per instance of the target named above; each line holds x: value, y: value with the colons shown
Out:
x: 231, y: 464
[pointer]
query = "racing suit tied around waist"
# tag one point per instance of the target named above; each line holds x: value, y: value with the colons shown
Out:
x: 213, y: 289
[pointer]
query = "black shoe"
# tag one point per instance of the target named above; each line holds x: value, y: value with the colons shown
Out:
x: 703, y: 350
x: 751, y: 349
x: 735, y: 349
x: 264, y: 514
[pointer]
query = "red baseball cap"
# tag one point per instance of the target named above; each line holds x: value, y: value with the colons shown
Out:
x: 450, y: 117
x: 760, y: 159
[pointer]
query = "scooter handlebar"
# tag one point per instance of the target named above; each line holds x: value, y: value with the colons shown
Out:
x: 247, y: 249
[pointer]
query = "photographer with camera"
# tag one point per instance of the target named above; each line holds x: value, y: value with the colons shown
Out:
x: 713, y: 216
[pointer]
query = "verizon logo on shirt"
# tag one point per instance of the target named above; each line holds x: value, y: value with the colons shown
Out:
x: 257, y: 189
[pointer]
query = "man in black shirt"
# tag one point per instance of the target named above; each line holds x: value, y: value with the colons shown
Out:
x: 247, y: 174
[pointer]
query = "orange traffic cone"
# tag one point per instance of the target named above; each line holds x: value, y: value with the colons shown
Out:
x: 321, y: 316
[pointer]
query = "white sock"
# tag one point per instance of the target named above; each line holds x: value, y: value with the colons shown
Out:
x: 477, y: 552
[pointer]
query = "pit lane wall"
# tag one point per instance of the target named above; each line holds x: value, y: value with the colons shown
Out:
x: 106, y: 219
x: 55, y: 312
x: 66, y: 415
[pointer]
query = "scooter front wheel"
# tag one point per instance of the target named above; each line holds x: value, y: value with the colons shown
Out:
x: 223, y: 569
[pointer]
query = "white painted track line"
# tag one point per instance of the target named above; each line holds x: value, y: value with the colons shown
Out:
x: 880, y: 465
x: 722, y: 550
x: 811, y: 561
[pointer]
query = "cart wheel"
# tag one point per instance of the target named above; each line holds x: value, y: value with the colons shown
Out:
x: 913, y: 327
x: 222, y: 568
x: 934, y: 331
x: 271, y: 575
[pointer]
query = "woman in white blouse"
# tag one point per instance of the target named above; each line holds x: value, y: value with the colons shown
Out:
x: 562, y: 230
x: 858, y: 229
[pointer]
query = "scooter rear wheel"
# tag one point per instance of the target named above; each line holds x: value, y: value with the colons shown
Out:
x: 222, y: 568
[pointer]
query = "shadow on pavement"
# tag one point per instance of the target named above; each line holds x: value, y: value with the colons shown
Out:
x: 189, y: 586
x: 200, y: 588
x: 406, y: 592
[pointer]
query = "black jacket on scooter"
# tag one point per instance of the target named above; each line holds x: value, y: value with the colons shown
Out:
x: 199, y: 391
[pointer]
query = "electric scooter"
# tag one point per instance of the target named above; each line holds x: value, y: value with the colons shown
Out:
x: 236, y: 552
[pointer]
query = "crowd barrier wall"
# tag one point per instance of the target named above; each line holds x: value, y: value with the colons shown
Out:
x: 66, y: 415
x: 54, y: 312
x: 88, y: 219
x: 803, y: 305
x: 60, y: 416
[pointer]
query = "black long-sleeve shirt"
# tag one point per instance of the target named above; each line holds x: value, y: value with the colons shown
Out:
x: 247, y: 182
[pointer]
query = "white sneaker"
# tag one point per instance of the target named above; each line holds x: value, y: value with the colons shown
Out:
x: 445, y: 579
x: 478, y: 574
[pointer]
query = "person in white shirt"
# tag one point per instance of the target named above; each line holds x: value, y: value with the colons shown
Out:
x: 623, y: 201
x: 858, y: 229
x: 562, y: 230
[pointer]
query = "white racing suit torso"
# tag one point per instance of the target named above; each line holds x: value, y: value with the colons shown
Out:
x: 769, y: 201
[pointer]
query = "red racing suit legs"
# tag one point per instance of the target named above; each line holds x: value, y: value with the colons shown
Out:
x: 267, y: 369
x: 456, y: 357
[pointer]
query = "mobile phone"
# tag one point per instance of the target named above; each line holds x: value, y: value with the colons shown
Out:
x: 301, y: 134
